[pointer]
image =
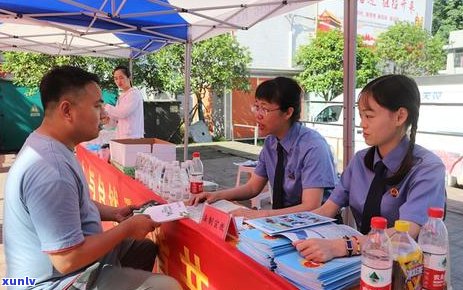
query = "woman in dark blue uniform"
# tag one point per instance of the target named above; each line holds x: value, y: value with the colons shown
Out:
x: 307, y: 167
x: 413, y: 177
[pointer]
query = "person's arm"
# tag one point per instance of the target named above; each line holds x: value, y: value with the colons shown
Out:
x: 321, y: 250
x: 311, y: 199
x: 126, y: 106
x: 246, y: 191
x: 328, y: 209
x: 96, y: 246
x: 317, y: 172
x: 427, y: 189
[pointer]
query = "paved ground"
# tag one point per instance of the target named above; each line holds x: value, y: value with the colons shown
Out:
x: 218, y: 159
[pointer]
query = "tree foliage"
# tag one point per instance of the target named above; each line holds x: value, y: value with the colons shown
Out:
x: 164, y: 69
x: 217, y: 63
x: 447, y: 16
x: 28, y: 68
x: 322, y: 64
x: 409, y: 49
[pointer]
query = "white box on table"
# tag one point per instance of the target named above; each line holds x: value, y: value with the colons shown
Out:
x: 124, y: 151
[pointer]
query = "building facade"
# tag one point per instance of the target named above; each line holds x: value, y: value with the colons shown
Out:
x: 454, y: 53
x: 273, y: 44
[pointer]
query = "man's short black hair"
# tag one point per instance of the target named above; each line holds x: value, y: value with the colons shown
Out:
x: 283, y: 91
x: 62, y: 80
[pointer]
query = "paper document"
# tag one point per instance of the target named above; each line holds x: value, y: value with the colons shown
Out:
x: 247, y: 163
x: 167, y: 212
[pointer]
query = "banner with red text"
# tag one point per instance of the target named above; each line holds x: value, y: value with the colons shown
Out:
x: 188, y: 252
x: 375, y: 16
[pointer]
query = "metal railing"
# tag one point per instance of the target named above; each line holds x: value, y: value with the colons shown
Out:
x: 255, y: 128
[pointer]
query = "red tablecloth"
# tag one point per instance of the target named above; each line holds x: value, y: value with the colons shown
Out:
x: 195, y: 257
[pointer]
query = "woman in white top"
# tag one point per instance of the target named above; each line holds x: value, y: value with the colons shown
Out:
x: 128, y: 112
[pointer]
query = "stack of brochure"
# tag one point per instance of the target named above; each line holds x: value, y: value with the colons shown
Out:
x: 275, y: 225
x: 262, y: 247
x: 340, y: 273
x: 270, y: 244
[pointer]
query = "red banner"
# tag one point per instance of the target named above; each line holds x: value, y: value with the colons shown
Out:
x: 188, y: 252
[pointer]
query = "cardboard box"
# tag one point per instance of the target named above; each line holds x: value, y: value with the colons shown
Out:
x: 124, y: 151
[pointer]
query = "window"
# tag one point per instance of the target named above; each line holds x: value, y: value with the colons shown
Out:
x: 329, y: 114
x: 458, y: 59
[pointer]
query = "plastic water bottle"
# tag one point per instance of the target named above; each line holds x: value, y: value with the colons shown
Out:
x: 196, y: 174
x: 376, y: 270
x: 166, y: 182
x: 176, y: 190
x: 159, y: 177
x: 185, y: 181
x: 433, y: 240
x: 138, y: 166
x: 407, y: 266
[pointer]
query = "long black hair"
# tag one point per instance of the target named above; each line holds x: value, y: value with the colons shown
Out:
x: 394, y: 92
x: 285, y: 92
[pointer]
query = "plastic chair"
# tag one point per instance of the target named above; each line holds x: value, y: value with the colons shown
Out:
x: 265, y: 193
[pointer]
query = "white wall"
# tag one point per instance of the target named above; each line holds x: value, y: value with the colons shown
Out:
x: 455, y: 43
x: 273, y: 42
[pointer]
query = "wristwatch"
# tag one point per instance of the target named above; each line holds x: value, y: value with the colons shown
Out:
x: 349, y: 246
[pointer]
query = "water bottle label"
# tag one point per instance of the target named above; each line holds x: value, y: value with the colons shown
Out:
x: 375, y: 279
x: 196, y: 187
x: 408, y: 272
x: 434, y: 271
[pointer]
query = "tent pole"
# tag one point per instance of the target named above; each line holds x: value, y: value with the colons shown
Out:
x: 186, y: 99
x: 131, y: 69
x: 350, y: 44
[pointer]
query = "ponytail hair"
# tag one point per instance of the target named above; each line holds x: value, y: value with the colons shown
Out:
x: 394, y: 92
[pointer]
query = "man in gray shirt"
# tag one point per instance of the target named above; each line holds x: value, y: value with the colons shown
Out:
x: 52, y: 229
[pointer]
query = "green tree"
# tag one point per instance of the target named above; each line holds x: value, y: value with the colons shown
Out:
x: 217, y: 63
x: 322, y: 64
x: 164, y: 69
x: 28, y: 68
x: 447, y: 16
x: 410, y: 49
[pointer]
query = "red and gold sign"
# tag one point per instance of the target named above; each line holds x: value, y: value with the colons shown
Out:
x: 188, y: 252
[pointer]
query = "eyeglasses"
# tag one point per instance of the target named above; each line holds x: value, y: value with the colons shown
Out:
x: 262, y: 111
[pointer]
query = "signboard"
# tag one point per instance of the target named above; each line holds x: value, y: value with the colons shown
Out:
x: 219, y: 222
x: 375, y: 16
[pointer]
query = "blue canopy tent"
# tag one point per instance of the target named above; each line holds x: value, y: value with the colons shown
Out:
x: 132, y: 28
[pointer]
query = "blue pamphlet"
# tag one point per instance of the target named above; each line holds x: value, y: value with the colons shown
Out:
x: 288, y: 222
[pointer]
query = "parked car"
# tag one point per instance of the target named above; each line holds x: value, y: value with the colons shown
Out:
x: 440, y: 126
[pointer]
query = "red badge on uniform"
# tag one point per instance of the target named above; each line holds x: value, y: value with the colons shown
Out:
x: 394, y: 192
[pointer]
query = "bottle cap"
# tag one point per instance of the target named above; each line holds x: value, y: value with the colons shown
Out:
x: 378, y: 222
x: 401, y: 226
x: 195, y: 154
x: 436, y: 212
